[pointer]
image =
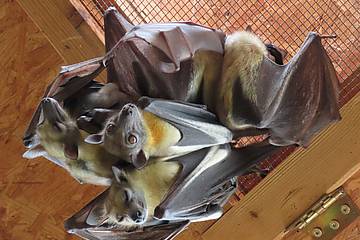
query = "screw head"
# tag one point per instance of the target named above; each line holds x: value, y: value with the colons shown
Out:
x: 334, y: 224
x: 345, y: 209
x: 317, y: 232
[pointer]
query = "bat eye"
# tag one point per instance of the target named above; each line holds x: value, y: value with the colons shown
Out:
x: 110, y: 128
x: 127, y: 196
x: 119, y: 218
x: 132, y: 139
x: 58, y: 127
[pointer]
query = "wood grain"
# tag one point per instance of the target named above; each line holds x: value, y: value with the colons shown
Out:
x: 298, y: 182
x: 54, y: 23
x: 35, y: 196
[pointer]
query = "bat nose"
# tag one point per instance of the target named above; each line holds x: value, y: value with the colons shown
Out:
x: 129, y: 109
x: 46, y: 100
x: 27, y: 142
x: 138, y: 217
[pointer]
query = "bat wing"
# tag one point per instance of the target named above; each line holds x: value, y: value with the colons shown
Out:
x: 165, y: 231
x: 156, y: 60
x: 301, y: 97
x: 178, y: 41
x: 207, y: 180
x: 293, y: 101
x: 116, y: 25
x: 86, y: 223
x: 70, y: 80
x: 199, y: 128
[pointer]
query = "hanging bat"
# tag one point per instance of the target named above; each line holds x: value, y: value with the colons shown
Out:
x: 201, y: 183
x: 62, y: 142
x: 177, y: 61
x: 294, y: 101
x: 159, y: 128
x: 75, y: 88
x: 293, y: 110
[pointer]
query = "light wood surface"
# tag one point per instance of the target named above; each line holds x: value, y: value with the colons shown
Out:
x: 52, y: 19
x: 35, y: 196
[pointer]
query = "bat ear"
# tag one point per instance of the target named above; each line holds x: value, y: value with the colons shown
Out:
x: 96, y: 215
x: 140, y: 160
x: 249, y: 29
x: 119, y: 174
x: 34, y: 152
x: 71, y: 151
x: 94, y: 139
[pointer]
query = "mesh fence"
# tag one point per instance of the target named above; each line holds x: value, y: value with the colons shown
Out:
x: 284, y: 23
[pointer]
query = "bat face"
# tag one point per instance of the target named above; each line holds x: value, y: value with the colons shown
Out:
x: 56, y: 131
x: 124, y: 136
x: 124, y: 206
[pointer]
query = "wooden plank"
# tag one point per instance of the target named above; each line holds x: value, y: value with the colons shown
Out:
x: 90, y: 20
x: 299, y: 181
x: 352, y: 187
x: 35, y: 196
x: 52, y: 21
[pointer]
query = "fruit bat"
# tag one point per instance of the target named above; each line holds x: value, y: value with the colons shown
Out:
x: 178, y: 61
x: 159, y: 128
x: 62, y: 142
x: 75, y: 86
x: 294, y: 101
x: 200, y: 188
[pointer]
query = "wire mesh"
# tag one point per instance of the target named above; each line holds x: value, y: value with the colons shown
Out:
x: 284, y: 23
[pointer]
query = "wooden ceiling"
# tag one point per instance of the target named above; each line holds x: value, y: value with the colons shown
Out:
x: 36, y: 196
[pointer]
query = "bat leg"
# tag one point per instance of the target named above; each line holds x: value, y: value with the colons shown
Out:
x: 116, y: 25
x: 261, y: 172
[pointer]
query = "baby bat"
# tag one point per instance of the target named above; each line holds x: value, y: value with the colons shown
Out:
x: 62, y: 142
x: 159, y: 128
x: 201, y: 183
x: 294, y: 101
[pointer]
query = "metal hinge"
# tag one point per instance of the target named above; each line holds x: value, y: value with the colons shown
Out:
x: 327, y: 217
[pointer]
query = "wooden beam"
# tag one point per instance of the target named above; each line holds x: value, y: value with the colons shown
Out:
x: 52, y: 21
x: 90, y: 20
x: 295, y: 184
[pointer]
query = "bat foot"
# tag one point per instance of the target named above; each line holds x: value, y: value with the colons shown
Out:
x: 261, y: 172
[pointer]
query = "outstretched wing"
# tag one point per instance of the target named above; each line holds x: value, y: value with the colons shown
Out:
x: 294, y: 101
x: 206, y: 180
x: 299, y: 99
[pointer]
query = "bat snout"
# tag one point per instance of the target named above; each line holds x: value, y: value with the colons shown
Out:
x: 139, y: 217
x: 52, y: 111
x: 129, y: 109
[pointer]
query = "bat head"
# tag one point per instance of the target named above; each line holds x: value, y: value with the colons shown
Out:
x: 123, y: 206
x: 56, y: 130
x: 124, y: 135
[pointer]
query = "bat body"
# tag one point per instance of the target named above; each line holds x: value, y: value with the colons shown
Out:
x: 159, y: 128
x: 195, y: 187
x: 294, y: 101
x: 62, y: 142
